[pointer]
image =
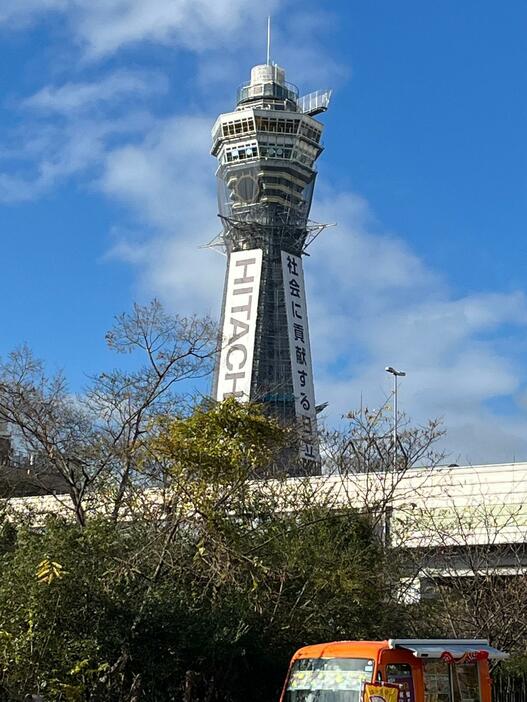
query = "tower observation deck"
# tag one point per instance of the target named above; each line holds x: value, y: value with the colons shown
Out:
x: 266, y: 151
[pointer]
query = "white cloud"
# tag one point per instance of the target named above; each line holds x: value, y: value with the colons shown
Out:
x: 374, y: 303
x: 104, y: 26
x: 69, y: 129
x: 216, y: 30
x: 109, y: 90
x: 168, y: 182
x: 169, y: 176
x: 46, y: 154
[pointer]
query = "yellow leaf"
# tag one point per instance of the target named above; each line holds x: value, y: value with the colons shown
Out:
x: 47, y: 571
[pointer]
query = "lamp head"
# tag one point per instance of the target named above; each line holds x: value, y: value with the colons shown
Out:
x: 391, y: 370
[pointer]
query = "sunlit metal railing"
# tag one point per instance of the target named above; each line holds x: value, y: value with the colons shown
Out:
x: 314, y: 103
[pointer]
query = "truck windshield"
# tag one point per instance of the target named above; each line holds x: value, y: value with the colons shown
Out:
x: 328, y: 679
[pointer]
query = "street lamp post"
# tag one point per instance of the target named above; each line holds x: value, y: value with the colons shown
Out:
x: 396, y: 374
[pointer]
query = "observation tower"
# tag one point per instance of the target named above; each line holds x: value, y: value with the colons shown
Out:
x: 266, y: 149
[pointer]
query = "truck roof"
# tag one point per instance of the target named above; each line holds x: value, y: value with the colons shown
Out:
x: 420, y: 648
x: 343, y: 649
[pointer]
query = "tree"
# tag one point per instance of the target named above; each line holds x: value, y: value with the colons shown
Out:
x: 201, y: 593
x: 361, y: 455
x: 468, y: 552
x: 93, y: 439
x: 274, y: 563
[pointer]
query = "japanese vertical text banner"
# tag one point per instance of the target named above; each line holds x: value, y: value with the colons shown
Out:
x: 300, y: 351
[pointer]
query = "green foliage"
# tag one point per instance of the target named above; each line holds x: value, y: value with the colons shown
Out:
x: 226, y: 442
x: 52, y: 617
x: 226, y: 625
x: 207, y: 602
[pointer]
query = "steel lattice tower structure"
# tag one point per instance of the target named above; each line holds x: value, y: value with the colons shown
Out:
x: 267, y: 150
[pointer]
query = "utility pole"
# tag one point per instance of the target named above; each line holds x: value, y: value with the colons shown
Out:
x: 396, y: 374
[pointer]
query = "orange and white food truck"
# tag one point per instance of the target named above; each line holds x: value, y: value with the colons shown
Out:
x: 398, y: 670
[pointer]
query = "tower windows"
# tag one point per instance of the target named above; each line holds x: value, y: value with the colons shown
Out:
x: 310, y: 132
x: 241, y: 125
x: 282, y: 151
x: 240, y: 152
x: 280, y: 125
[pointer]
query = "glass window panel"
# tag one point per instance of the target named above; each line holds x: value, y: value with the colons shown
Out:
x: 437, y: 681
x: 328, y: 679
x: 401, y: 674
x: 466, y: 682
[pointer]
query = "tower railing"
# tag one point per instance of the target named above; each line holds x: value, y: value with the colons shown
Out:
x: 248, y: 91
x: 314, y: 103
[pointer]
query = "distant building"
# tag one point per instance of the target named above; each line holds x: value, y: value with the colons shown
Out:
x: 23, y: 475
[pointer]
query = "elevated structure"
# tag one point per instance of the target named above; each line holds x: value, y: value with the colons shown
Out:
x: 267, y: 150
x: 451, y: 519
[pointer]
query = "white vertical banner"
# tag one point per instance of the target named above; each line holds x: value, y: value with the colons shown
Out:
x: 300, y: 352
x: 239, y: 325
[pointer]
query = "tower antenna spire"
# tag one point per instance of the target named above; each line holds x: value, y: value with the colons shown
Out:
x: 269, y: 40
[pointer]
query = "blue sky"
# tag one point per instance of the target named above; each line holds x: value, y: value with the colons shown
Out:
x: 107, y: 188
